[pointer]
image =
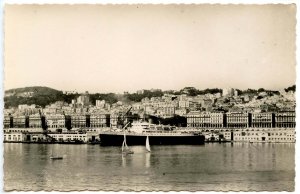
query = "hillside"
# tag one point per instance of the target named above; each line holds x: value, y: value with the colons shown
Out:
x: 31, y: 95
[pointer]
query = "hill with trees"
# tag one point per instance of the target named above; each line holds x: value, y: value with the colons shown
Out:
x: 38, y: 95
x: 43, y: 96
x: 291, y: 88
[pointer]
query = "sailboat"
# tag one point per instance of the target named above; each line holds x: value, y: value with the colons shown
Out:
x: 125, y: 148
x: 148, y: 144
x: 53, y: 157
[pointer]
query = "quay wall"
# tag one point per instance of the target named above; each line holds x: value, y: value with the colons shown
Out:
x: 87, y: 135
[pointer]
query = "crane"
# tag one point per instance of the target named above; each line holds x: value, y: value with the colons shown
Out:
x: 122, y: 118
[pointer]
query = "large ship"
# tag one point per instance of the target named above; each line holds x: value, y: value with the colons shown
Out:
x: 157, y: 135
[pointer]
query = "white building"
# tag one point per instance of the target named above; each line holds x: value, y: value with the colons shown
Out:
x: 55, y: 121
x: 276, y: 135
x: 228, y: 92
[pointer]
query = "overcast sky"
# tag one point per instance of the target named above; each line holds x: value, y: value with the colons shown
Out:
x: 127, y: 48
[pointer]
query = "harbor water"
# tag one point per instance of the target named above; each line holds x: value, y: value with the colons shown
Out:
x: 209, y: 167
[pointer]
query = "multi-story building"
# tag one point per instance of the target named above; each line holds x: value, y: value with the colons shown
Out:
x: 98, y: 120
x: 194, y: 105
x: 100, y: 103
x: 55, y: 121
x: 14, y: 137
x: 6, y: 121
x: 84, y: 99
x: 206, y: 104
x: 261, y: 120
x: 168, y: 111
x: 184, y: 104
x: 285, y: 119
x: 114, y: 117
x: 19, y: 121
x: 205, y: 119
x: 236, y: 120
x: 181, y: 111
x: 69, y: 137
x: 193, y: 119
x: 228, y: 92
x: 78, y: 120
x: 265, y: 135
x: 137, y: 106
x: 35, y: 121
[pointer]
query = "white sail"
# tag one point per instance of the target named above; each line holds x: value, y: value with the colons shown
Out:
x: 123, y: 145
x: 148, y: 144
x: 125, y: 148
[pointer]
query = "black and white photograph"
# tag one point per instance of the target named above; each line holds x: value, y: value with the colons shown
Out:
x: 149, y: 97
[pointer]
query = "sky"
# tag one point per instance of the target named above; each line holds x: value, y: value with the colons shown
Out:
x: 117, y: 48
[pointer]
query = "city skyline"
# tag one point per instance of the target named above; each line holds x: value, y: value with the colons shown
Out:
x: 150, y: 89
x: 99, y: 48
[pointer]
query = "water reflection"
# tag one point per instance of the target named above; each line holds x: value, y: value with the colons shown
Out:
x: 209, y: 167
x: 147, y: 160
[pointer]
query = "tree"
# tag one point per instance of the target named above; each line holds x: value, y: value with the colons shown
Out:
x: 291, y: 88
x: 261, y: 90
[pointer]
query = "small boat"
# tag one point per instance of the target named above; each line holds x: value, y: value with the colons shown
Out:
x: 52, y: 157
x: 125, y: 148
x: 56, y: 157
x: 148, y: 144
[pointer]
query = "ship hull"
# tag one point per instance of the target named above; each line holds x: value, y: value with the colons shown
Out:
x: 117, y: 140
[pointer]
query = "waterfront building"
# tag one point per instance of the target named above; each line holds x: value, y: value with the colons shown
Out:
x: 35, y: 121
x: 98, y: 120
x: 226, y: 135
x: 55, y: 121
x: 78, y: 120
x: 265, y: 135
x: 23, y: 130
x: 205, y: 119
x: 262, y: 120
x: 236, y: 120
x: 114, y: 117
x: 13, y: 137
x: 19, y: 121
x: 285, y: 119
x: 193, y: 119
x: 69, y: 137
x: 6, y: 121
x: 92, y: 135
